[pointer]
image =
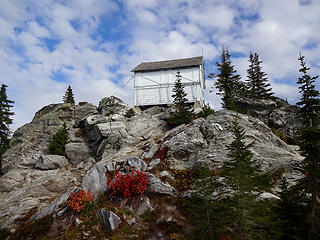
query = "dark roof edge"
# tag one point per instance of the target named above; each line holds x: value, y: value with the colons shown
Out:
x: 169, y: 64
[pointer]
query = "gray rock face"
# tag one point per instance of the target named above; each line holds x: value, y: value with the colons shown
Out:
x: 55, y: 206
x: 208, y: 140
x: 109, y: 220
x: 95, y: 180
x: 87, y: 164
x: 144, y: 207
x: 77, y: 152
x: 157, y: 186
x: 256, y: 104
x: 151, y: 151
x: 24, y: 189
x: 137, y: 163
x: 121, y: 144
x: 112, y: 105
x: 49, y: 162
x: 32, y: 139
x: 154, y: 163
x: 275, y: 113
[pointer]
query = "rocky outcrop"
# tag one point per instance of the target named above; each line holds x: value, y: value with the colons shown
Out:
x: 112, y: 105
x: 49, y: 162
x: 31, y: 140
x: 104, y: 141
x: 155, y: 185
x: 205, y: 142
x: 22, y: 190
x: 77, y: 152
x: 33, y: 179
x: 109, y: 220
x: 276, y: 113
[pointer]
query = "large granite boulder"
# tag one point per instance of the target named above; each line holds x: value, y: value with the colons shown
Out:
x: 206, y: 142
x: 24, y: 189
x: 77, y: 152
x: 109, y: 220
x: 112, y: 105
x: 33, y: 178
x: 276, y: 113
x: 32, y: 139
x: 49, y: 162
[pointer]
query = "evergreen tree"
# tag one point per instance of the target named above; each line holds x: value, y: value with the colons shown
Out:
x: 68, y: 97
x: 310, y: 145
x: 227, y: 81
x: 208, y: 209
x: 59, y: 140
x: 257, y: 82
x: 291, y: 210
x: 5, y: 121
x: 309, y: 102
x: 310, y: 183
x: 251, y: 218
x: 183, y: 112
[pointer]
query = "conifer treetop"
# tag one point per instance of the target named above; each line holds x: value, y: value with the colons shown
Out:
x: 69, y: 96
x: 227, y: 80
x: 5, y: 112
x: 309, y: 101
x: 257, y: 82
x: 183, y: 112
x: 5, y: 121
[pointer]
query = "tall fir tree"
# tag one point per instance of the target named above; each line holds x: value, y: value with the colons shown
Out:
x: 69, y: 96
x: 183, y: 112
x: 227, y: 81
x: 251, y: 218
x: 5, y: 121
x: 208, y: 209
x: 309, y: 101
x: 310, y: 145
x: 291, y: 209
x: 257, y: 82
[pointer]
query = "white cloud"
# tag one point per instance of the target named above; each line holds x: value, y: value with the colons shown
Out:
x: 91, y: 61
x: 212, y: 17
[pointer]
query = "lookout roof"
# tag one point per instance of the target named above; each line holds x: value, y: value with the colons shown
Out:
x: 170, y: 64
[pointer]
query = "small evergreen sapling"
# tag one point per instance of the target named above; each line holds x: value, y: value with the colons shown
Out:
x: 69, y: 97
x: 183, y: 112
x: 59, y: 140
x: 206, y: 111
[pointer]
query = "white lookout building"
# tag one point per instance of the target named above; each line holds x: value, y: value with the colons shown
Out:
x: 154, y: 81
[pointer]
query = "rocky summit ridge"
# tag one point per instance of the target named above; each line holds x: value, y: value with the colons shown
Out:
x: 105, y: 138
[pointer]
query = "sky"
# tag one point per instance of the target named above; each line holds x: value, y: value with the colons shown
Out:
x: 93, y: 44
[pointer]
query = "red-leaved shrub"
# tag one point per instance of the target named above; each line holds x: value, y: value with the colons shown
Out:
x: 162, y: 152
x: 78, y: 200
x: 129, y: 184
x: 224, y: 237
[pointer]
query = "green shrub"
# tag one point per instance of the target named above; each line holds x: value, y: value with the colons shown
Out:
x: 4, y: 234
x: 206, y: 111
x: 59, y: 140
x: 110, y: 112
x: 33, y: 230
x: 280, y: 134
x: 130, y: 113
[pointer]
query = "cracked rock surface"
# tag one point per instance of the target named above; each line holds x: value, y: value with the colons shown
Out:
x: 103, y: 140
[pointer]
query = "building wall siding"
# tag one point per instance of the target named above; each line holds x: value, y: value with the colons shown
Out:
x: 153, y: 88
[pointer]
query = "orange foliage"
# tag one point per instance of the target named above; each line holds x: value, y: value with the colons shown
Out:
x: 78, y: 200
